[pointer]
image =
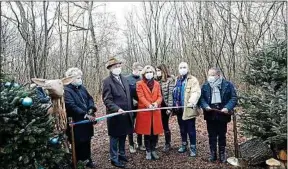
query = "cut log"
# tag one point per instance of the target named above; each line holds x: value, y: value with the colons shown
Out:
x: 255, y: 151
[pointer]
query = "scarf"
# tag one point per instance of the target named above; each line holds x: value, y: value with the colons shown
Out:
x: 150, y: 83
x: 216, y: 95
x: 136, y: 76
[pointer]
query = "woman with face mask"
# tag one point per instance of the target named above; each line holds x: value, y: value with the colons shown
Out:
x: 149, y: 123
x: 186, y: 93
x: 167, y: 83
x: 80, y: 106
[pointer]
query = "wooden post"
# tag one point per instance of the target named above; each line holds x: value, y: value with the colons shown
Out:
x: 73, y: 144
x: 236, y: 147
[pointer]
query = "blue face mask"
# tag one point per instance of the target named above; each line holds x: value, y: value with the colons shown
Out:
x: 77, y: 82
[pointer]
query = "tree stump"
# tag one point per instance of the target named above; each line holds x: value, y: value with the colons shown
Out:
x: 255, y: 151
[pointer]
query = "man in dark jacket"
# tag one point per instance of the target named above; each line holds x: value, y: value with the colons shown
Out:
x: 117, y: 98
x: 80, y: 106
x: 217, y: 93
x: 133, y: 79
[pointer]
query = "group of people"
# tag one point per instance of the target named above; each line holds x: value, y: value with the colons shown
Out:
x: 151, y: 88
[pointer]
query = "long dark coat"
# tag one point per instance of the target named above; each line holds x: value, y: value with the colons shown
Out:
x: 77, y: 102
x: 228, y: 97
x: 115, y: 97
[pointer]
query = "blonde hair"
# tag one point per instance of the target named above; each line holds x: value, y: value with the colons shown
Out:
x: 146, y: 68
x: 74, y: 71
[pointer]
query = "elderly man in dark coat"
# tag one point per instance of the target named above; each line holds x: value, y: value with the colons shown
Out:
x: 80, y: 106
x: 117, y: 98
x: 217, y: 93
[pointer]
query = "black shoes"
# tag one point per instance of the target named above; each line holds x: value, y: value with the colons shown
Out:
x: 167, y: 148
x: 123, y: 158
x: 222, y: 155
x: 91, y: 165
x: 213, y: 156
x: 213, y: 153
x: 118, y: 164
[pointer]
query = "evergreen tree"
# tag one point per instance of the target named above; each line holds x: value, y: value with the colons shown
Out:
x: 26, y: 131
x: 265, y: 102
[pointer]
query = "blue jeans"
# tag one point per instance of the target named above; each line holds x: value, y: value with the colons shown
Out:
x: 187, y: 127
x: 117, y: 147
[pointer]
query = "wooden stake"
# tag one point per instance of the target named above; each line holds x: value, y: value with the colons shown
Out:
x: 236, y: 147
x: 73, y: 145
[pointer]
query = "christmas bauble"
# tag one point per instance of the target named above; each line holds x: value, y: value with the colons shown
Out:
x: 54, y: 140
x: 40, y: 167
x: 16, y: 85
x: 27, y: 102
x: 7, y: 84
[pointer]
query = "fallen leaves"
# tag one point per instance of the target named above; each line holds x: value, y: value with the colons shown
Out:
x: 172, y: 159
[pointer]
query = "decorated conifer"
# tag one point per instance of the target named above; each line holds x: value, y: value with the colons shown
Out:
x: 26, y: 131
x: 265, y: 102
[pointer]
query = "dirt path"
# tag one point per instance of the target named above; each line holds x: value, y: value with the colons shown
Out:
x: 100, y: 149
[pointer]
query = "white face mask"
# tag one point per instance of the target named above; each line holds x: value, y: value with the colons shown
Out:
x: 149, y: 76
x: 183, y: 71
x: 116, y: 71
x: 77, y: 82
x: 212, y: 79
x: 159, y: 73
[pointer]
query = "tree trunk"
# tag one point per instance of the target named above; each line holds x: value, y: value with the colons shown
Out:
x: 95, y: 47
x: 60, y: 73
x: 44, y: 55
x: 67, y: 39
x: 0, y: 38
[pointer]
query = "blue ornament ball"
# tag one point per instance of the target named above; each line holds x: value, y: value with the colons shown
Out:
x: 40, y: 167
x: 27, y: 102
x: 7, y: 84
x: 16, y: 85
x: 54, y: 140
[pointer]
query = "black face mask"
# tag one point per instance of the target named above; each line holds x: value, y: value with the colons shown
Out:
x: 159, y: 78
x: 136, y: 76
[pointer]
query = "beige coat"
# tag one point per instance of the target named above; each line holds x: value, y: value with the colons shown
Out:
x: 192, y: 95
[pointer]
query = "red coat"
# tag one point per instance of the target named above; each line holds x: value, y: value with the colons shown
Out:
x: 144, y: 119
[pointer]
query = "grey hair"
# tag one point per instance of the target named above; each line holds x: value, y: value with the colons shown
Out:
x: 184, y: 64
x: 136, y: 65
x: 74, y: 71
x: 218, y: 71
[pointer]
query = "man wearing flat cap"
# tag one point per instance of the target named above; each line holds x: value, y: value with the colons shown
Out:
x: 116, y: 97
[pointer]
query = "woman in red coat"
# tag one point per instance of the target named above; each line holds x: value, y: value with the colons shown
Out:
x: 149, y: 123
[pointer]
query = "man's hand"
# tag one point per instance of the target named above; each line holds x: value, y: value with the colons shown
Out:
x: 120, y: 111
x: 168, y: 112
x: 155, y: 105
x: 151, y: 106
x: 91, y: 118
x: 225, y: 110
x: 208, y: 108
x: 191, y: 105
x: 90, y: 112
x: 135, y: 103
